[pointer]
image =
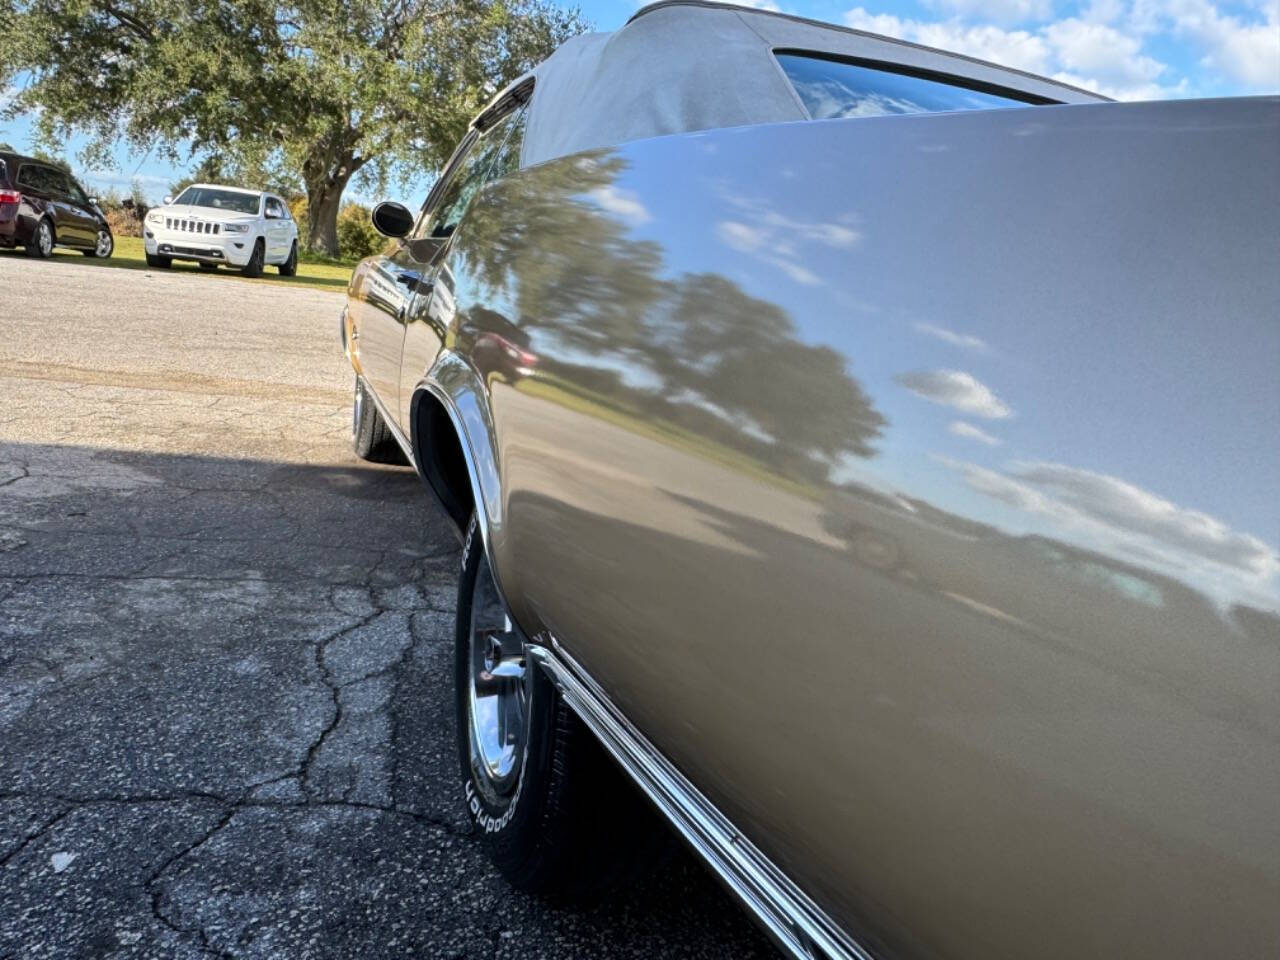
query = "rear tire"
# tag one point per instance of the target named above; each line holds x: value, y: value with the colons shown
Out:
x: 254, y: 267
x: 290, y: 267
x: 370, y: 436
x: 42, y: 241
x: 161, y: 263
x: 565, y: 823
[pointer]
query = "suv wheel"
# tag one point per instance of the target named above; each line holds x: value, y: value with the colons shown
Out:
x: 556, y: 815
x: 42, y: 240
x: 154, y: 260
x: 254, y: 267
x: 290, y: 267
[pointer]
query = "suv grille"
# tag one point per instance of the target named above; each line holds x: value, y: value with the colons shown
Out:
x: 192, y: 226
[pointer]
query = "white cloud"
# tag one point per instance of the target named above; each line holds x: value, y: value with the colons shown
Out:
x: 965, y: 340
x: 1104, y: 512
x: 623, y: 203
x: 955, y: 388
x: 970, y: 432
x: 1245, y: 51
x: 1086, y: 52
x: 782, y: 241
x: 999, y: 11
x: 1119, y: 504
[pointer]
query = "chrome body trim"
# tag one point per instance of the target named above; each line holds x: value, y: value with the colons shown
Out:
x: 790, y: 917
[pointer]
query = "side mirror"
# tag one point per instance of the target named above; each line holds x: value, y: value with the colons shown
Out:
x: 93, y: 201
x: 392, y: 219
x: 167, y: 200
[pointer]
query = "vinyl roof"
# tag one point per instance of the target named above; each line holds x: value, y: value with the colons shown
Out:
x: 684, y: 65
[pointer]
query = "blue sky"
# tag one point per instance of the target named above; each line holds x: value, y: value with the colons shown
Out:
x: 1130, y: 49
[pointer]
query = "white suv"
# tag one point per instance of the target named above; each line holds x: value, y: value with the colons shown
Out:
x: 213, y: 224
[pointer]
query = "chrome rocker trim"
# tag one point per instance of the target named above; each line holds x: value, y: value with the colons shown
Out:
x: 794, y: 921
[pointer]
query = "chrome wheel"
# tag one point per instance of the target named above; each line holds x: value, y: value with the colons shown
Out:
x: 103, y: 249
x: 357, y: 410
x: 44, y: 238
x: 498, y: 693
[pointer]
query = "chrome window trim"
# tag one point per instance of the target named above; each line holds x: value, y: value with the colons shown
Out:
x: 795, y: 922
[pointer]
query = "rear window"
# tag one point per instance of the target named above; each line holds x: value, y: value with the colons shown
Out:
x: 840, y: 88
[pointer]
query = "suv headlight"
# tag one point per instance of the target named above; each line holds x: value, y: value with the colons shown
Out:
x: 235, y: 228
x: 155, y: 216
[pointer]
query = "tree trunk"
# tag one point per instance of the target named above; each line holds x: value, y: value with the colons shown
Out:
x: 326, y: 178
x: 322, y: 217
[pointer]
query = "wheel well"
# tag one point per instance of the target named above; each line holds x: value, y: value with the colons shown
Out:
x: 438, y: 450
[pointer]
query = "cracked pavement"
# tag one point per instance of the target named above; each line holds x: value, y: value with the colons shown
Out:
x: 226, y: 722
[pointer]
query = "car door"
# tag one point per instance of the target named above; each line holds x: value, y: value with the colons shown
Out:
x: 493, y: 152
x: 277, y: 229
x: 81, y: 212
x: 48, y: 188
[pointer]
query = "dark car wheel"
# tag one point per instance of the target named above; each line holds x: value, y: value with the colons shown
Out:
x: 370, y: 436
x: 164, y: 263
x: 104, y: 247
x: 208, y: 267
x: 290, y: 267
x: 42, y: 241
x: 556, y: 815
x: 254, y: 267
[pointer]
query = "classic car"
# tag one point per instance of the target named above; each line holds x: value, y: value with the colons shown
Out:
x: 42, y: 206
x: 867, y: 456
x: 212, y: 224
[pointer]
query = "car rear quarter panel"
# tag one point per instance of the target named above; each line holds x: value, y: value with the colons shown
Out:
x: 911, y: 483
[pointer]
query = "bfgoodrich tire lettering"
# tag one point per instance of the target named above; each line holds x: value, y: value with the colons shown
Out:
x: 566, y: 823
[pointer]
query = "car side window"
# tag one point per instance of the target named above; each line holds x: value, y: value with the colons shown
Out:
x: 76, y: 192
x: 468, y: 177
x: 35, y: 178
x: 831, y: 88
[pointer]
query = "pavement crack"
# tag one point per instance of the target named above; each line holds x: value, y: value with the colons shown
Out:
x: 157, y: 895
x: 31, y: 838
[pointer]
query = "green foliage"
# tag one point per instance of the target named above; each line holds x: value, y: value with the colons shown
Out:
x: 357, y: 237
x: 319, y: 90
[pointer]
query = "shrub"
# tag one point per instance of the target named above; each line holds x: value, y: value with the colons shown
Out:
x: 357, y: 237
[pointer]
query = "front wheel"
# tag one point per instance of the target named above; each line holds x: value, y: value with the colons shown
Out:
x: 557, y: 817
x: 208, y: 267
x: 254, y: 267
x: 155, y: 260
x: 103, y: 247
x: 290, y: 267
x: 371, y: 438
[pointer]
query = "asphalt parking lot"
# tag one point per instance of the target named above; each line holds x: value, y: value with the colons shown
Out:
x: 226, y: 727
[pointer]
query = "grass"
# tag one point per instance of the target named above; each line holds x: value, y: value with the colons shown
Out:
x: 552, y: 388
x: 130, y: 255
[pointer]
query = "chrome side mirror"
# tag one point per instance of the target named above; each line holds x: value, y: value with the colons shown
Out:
x: 392, y: 219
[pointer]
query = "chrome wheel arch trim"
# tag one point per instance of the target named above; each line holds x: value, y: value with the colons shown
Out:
x: 459, y: 389
x: 791, y: 918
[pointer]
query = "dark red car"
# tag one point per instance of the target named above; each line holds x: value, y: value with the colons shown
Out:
x: 42, y: 206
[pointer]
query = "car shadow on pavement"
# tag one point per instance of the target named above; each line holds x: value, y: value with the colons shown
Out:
x: 227, y: 727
